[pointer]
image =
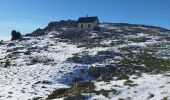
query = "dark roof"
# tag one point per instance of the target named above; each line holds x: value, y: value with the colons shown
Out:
x: 87, y: 19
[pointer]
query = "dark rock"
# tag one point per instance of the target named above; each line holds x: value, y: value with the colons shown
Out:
x: 61, y: 24
x: 27, y: 53
x: 37, y: 82
x: 7, y: 63
x: 29, y: 34
x: 11, y: 44
x: 17, y: 48
x: 150, y: 96
x: 56, y: 26
x: 16, y: 35
x: 43, y: 87
x: 47, y: 82
x: 1, y: 42
x: 39, y: 32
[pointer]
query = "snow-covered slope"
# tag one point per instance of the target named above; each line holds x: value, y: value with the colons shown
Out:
x: 36, y: 66
x: 24, y: 79
x: 19, y: 81
x: 152, y: 87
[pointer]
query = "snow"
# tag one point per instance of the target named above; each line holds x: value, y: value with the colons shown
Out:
x: 106, y: 26
x: 107, y: 42
x: 94, y: 51
x: 158, y: 85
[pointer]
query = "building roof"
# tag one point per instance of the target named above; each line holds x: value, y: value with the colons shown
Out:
x: 87, y: 19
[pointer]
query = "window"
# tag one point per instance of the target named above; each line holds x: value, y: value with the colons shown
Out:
x: 81, y: 25
x: 89, y: 25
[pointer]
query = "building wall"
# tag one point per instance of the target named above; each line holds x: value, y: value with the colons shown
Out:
x: 85, y: 26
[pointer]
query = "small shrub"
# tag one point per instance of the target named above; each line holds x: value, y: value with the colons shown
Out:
x: 139, y: 39
x: 75, y: 97
x: 56, y: 93
x: 37, y: 98
x: 129, y: 83
x: 106, y: 92
x: 121, y: 99
x: 122, y: 77
x: 95, y: 71
x: 87, y: 87
x: 40, y: 59
x: 144, y: 60
x: 165, y: 98
x: 114, y: 43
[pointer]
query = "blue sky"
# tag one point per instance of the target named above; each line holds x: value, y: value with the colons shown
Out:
x: 27, y: 15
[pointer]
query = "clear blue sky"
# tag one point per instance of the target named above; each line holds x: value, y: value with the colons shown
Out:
x: 27, y: 15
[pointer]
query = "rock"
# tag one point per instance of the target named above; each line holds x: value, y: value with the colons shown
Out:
x: 27, y: 53
x: 16, y: 35
x: 47, y: 82
x: 1, y: 42
x: 150, y: 96
x: 43, y: 87
x: 11, y: 44
x: 7, y: 63
x: 38, y: 82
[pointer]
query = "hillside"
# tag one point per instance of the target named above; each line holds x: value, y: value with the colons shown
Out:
x: 118, y: 62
